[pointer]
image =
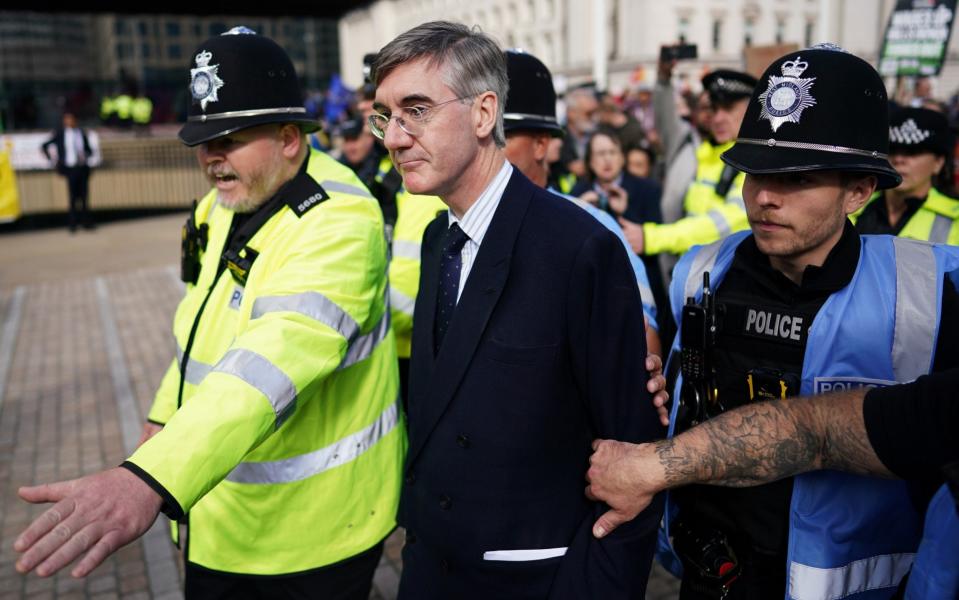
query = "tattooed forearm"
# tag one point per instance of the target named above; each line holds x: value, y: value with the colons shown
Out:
x: 766, y: 441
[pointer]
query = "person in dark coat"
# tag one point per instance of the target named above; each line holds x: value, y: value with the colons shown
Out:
x: 527, y: 341
x: 77, y: 152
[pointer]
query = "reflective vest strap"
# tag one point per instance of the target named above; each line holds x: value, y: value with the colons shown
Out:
x: 313, y: 463
x: 941, y: 225
x: 722, y: 225
x: 406, y: 249
x: 318, y: 307
x: 312, y: 305
x: 363, y: 346
x: 813, y: 583
x: 704, y: 260
x: 338, y: 186
x: 404, y: 304
x: 266, y: 377
x: 916, y: 299
x: 195, y: 370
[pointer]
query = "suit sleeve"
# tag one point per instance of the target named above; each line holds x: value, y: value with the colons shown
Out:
x: 608, y: 350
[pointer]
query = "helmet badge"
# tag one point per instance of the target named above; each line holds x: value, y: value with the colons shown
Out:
x: 787, y: 96
x: 204, y: 81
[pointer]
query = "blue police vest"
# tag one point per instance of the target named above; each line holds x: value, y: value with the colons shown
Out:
x: 849, y: 536
x: 935, y: 574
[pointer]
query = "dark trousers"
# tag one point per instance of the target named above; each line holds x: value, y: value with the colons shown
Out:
x: 350, y: 579
x: 78, y: 183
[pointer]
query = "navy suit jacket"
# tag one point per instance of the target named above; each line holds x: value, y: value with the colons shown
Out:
x: 544, y: 353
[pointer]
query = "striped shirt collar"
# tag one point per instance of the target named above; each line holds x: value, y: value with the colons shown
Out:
x: 477, y: 219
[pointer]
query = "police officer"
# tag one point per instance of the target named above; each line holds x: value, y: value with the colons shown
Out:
x: 814, y: 146
x: 359, y: 150
x: 713, y: 203
x: 529, y: 121
x: 278, y: 438
x: 920, y: 149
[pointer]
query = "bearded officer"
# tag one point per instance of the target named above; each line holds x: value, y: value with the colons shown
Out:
x: 281, y: 440
x: 814, y: 147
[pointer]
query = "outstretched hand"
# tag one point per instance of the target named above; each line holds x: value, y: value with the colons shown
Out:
x: 95, y: 515
x: 622, y: 475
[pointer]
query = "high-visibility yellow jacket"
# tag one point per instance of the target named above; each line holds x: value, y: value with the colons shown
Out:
x: 141, y: 109
x: 414, y: 213
x: 709, y: 216
x: 286, y: 451
x: 937, y: 220
x: 123, y: 106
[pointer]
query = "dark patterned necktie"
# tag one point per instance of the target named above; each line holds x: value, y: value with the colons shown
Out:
x: 450, y: 266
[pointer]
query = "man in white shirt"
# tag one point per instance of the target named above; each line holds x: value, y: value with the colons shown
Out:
x: 527, y: 337
x: 77, y: 151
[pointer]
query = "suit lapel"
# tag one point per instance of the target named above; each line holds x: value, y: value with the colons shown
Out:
x: 484, y: 286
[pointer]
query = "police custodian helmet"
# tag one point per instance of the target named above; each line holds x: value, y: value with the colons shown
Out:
x: 531, y: 101
x: 817, y: 109
x: 238, y: 80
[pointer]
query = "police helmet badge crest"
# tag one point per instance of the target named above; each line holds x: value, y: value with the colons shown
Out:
x: 787, y: 96
x: 204, y: 81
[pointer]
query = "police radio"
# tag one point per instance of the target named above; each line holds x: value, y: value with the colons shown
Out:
x: 193, y: 243
x: 698, y: 396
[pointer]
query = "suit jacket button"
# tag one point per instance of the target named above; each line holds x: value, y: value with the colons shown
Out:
x: 445, y: 565
x: 410, y: 479
x: 463, y: 441
x: 445, y: 502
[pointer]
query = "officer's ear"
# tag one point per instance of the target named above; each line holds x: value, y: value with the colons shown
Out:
x: 857, y: 189
x: 291, y: 137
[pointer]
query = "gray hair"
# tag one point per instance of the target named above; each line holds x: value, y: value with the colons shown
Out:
x: 471, y: 61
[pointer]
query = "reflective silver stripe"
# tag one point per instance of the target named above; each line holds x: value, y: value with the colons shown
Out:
x: 195, y: 370
x: 774, y: 143
x: 514, y: 116
x: 403, y: 303
x: 940, y: 229
x: 406, y: 249
x: 875, y: 572
x: 647, y: 295
x: 313, y: 463
x: 283, y: 110
x: 916, y: 304
x: 719, y: 220
x: 346, y: 188
x: 260, y: 373
x: 363, y: 346
x: 704, y: 260
x: 318, y: 307
x: 313, y: 305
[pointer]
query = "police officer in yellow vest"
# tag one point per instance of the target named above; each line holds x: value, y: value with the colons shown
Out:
x: 920, y: 149
x: 714, y: 200
x: 281, y: 440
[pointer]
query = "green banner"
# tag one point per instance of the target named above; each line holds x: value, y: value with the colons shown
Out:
x: 917, y: 37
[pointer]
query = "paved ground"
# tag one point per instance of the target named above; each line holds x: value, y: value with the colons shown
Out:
x: 84, y: 340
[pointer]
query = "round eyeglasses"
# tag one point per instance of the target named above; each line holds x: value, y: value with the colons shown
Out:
x: 411, y: 119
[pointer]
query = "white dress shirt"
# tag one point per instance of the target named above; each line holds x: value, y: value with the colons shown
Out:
x: 477, y: 219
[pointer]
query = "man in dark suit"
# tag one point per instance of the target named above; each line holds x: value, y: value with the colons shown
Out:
x: 527, y: 343
x: 75, y: 155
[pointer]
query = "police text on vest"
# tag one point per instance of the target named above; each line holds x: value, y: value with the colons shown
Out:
x: 773, y: 324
